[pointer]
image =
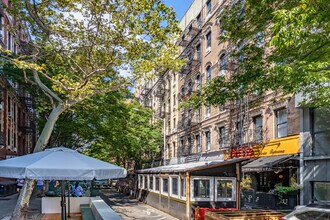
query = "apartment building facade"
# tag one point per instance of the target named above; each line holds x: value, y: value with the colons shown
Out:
x: 17, y: 113
x: 263, y: 129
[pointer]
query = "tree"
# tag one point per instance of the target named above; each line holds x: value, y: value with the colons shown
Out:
x: 274, y: 45
x: 125, y: 136
x: 110, y: 127
x: 80, y: 47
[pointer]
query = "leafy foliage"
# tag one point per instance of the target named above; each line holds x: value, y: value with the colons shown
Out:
x: 110, y: 127
x: 274, y: 45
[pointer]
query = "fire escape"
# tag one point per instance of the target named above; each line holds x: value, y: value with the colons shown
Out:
x: 27, y: 124
x: 144, y: 96
x: 160, y: 94
x: 191, y: 51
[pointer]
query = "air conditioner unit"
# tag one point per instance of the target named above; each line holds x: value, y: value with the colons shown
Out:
x: 222, y: 73
x: 9, y: 114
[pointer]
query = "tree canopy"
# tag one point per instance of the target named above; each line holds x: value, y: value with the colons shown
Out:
x: 274, y: 45
x: 110, y: 127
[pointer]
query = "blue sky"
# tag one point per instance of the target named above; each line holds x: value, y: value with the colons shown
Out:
x: 180, y: 6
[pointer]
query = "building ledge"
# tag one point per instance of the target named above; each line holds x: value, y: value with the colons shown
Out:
x: 317, y: 158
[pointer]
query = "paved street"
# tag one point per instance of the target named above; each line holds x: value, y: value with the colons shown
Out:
x: 126, y: 207
x: 7, y: 205
x: 129, y: 208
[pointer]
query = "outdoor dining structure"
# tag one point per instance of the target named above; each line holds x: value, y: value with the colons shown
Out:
x: 61, y: 164
x: 188, y: 189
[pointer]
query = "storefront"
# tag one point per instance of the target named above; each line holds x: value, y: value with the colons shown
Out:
x: 179, y: 189
x: 270, y: 178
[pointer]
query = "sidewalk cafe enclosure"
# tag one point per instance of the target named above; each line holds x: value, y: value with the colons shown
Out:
x: 59, y: 164
x: 178, y: 189
x: 266, y: 175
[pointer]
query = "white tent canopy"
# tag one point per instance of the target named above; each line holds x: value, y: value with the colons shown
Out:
x: 59, y: 164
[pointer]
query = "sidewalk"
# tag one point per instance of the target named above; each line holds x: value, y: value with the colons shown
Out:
x: 7, y: 205
x: 130, y: 209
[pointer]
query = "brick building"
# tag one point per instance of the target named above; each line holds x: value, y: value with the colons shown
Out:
x: 261, y: 128
x: 17, y: 115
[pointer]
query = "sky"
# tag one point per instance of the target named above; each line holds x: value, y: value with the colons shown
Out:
x: 180, y: 6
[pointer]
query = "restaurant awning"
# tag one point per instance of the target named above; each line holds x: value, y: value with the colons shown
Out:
x: 200, y: 165
x: 265, y: 163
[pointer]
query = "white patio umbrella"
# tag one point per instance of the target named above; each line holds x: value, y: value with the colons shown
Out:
x: 59, y: 164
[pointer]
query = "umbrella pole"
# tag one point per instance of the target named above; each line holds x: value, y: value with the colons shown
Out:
x: 62, y: 217
x: 69, y: 199
x: 63, y: 201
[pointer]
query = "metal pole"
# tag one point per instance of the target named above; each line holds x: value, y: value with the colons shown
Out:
x: 164, y: 137
x: 62, y: 202
x: 69, y: 199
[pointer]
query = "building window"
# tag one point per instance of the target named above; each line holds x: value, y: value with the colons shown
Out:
x: 182, y: 93
x: 198, y: 81
x: 281, y: 123
x: 157, y: 183
x: 9, y: 106
x: 165, y: 185
x: 321, y: 131
x: 222, y: 137
x: 140, y: 181
x: 201, y: 188
x: 9, y: 41
x: 151, y: 183
x: 14, y: 112
x: 208, y: 140
x: 199, y: 20
x: 198, y: 52
x: 198, y: 143
x: 208, y: 41
x: 174, y: 122
x: 207, y: 111
x: 145, y: 182
x: 174, y: 100
x: 209, y: 7
x: 239, y: 133
x: 182, y: 119
x: 190, y: 87
x: 208, y: 72
x: 174, y: 184
x: 225, y: 189
x: 223, y: 61
x: 174, y: 150
x: 183, y: 187
x: 198, y: 115
x: 8, y: 137
x: 321, y: 191
x: 15, y: 141
x: 257, y: 128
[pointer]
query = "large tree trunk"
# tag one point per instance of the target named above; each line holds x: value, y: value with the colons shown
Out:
x: 27, y: 189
